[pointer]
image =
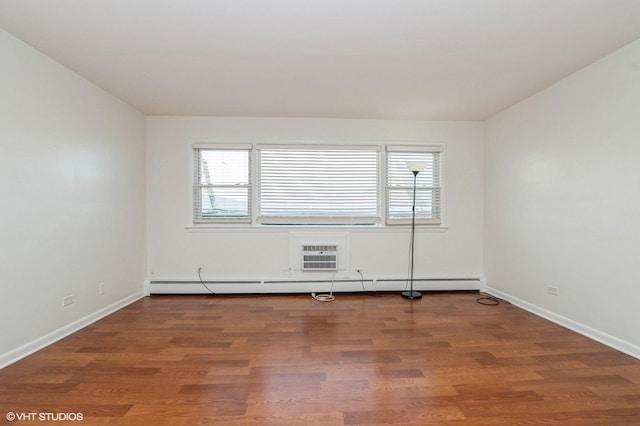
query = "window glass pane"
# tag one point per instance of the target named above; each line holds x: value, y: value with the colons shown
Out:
x: 223, y: 202
x: 222, y: 185
x: 400, y: 189
x: 224, y: 167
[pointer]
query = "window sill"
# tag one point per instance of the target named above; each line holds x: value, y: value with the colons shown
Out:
x: 239, y: 227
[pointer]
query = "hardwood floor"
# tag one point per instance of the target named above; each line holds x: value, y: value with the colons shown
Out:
x: 291, y: 360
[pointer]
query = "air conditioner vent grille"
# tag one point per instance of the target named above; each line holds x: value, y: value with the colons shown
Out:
x: 319, y: 257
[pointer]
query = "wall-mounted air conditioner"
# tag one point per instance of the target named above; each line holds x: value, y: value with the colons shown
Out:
x: 319, y: 257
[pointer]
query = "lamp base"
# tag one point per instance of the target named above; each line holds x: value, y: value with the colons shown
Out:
x: 413, y: 295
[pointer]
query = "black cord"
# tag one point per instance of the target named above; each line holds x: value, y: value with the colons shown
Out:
x: 488, y: 301
x: 406, y: 283
x: 364, y: 290
x: 202, y: 282
x: 362, y: 281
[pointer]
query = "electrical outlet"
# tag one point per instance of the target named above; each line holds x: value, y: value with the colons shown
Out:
x: 101, y: 289
x: 200, y: 268
x: 68, y: 300
x: 360, y: 271
x: 552, y: 290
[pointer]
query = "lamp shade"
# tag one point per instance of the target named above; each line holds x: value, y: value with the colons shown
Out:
x: 416, y: 166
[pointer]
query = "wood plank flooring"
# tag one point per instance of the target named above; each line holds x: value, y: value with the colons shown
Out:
x: 291, y: 360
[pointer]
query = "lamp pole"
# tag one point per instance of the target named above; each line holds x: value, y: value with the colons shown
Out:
x: 415, y: 169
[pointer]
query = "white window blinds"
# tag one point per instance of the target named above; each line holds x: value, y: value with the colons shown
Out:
x: 318, y: 184
x: 400, y: 180
x: 222, y: 185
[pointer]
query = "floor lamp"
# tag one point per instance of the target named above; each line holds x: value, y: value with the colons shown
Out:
x: 415, y: 167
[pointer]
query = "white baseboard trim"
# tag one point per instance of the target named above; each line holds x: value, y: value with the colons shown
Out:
x: 46, y: 340
x: 592, y: 333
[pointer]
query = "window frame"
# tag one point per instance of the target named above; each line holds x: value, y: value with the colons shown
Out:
x: 196, y: 200
x: 253, y: 219
x: 437, y: 189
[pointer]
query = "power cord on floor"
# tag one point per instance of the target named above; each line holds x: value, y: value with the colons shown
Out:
x: 202, y: 282
x: 330, y: 297
x: 326, y: 297
x: 488, y: 300
x: 323, y: 297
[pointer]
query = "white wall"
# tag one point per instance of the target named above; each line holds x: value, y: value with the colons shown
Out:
x: 72, y: 191
x: 562, y: 204
x: 242, y: 253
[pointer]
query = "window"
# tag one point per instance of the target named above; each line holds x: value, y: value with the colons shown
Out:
x: 318, y: 184
x: 400, y: 182
x: 306, y: 184
x: 222, y: 184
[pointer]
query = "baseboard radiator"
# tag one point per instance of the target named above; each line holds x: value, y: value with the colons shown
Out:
x: 310, y: 286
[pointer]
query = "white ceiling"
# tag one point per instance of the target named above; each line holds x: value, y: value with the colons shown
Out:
x: 389, y: 59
